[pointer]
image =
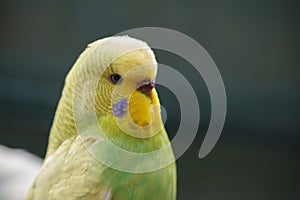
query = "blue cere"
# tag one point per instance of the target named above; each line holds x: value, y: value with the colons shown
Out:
x: 120, y: 108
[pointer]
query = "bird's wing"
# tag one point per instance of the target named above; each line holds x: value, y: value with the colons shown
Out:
x: 70, y: 172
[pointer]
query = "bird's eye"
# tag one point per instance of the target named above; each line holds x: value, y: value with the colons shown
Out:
x: 115, y: 78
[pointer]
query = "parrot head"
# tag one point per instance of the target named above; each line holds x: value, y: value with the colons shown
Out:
x: 125, y: 69
x: 127, y: 86
x: 112, y: 81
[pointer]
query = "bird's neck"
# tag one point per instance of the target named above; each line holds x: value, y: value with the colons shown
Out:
x: 63, y: 126
x: 120, y: 136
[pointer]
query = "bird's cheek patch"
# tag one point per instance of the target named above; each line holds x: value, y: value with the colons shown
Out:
x: 120, y: 108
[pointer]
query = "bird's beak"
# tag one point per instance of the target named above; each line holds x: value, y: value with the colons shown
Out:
x: 140, y: 102
x: 146, y: 87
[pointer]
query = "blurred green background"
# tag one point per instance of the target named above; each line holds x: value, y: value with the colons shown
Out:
x: 255, y: 44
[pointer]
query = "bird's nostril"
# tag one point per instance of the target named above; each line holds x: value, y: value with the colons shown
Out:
x: 146, y: 88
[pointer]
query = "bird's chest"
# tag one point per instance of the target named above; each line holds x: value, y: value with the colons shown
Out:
x: 153, y: 185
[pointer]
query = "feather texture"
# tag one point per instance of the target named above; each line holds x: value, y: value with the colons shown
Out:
x: 70, y: 170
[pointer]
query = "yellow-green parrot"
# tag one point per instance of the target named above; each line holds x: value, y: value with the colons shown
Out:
x: 107, y: 129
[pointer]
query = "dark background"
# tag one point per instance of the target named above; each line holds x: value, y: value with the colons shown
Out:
x: 255, y: 45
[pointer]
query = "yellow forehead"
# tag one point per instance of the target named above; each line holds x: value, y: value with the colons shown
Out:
x: 135, y: 59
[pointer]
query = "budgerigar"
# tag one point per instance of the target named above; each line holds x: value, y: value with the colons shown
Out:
x: 112, y: 84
